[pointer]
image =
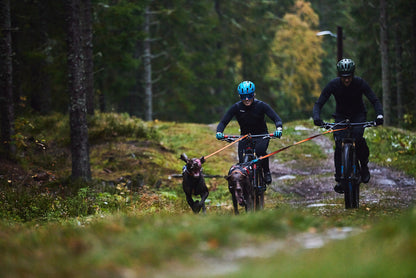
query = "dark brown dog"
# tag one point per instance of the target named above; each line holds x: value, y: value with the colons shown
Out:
x: 193, y: 182
x: 240, y: 187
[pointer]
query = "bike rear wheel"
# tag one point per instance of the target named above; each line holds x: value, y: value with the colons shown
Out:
x: 350, y: 184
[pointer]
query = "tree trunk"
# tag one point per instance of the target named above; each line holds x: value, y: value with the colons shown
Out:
x: 413, y: 52
x: 384, y: 49
x: 40, y: 91
x: 6, y: 82
x: 399, y: 74
x: 220, y: 73
x: 147, y: 60
x: 88, y: 54
x: 76, y: 83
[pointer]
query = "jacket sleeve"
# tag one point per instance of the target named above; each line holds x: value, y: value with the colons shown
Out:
x: 371, y: 96
x: 226, y: 118
x: 323, y: 98
x: 273, y: 115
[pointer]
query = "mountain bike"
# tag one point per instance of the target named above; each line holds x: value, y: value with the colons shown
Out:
x: 350, y: 168
x: 249, y: 155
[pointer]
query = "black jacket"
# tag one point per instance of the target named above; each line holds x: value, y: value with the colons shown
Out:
x: 349, y: 100
x: 250, y: 118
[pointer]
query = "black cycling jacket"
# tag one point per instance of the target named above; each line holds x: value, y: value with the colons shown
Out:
x: 250, y: 118
x: 349, y: 100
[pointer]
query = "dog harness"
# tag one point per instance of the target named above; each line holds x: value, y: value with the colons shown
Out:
x: 244, y: 170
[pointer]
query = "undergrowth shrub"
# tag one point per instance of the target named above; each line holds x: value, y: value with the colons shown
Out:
x: 393, y: 147
x: 63, y: 200
x: 103, y: 126
x: 22, y: 204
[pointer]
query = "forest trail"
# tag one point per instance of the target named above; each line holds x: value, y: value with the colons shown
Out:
x: 315, y: 186
x: 308, y: 186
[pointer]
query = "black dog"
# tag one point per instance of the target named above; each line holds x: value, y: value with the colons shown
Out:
x: 240, y: 187
x: 193, y: 182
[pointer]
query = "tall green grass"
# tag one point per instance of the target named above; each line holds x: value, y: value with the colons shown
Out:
x: 133, y: 220
x: 134, y: 164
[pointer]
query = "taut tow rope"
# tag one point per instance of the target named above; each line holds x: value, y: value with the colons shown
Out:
x: 297, y: 143
x: 229, y: 145
x: 278, y: 151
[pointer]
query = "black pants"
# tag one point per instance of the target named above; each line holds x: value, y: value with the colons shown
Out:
x: 261, y: 146
x: 363, y: 152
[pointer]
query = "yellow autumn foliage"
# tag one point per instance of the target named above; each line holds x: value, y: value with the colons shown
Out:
x: 296, y: 53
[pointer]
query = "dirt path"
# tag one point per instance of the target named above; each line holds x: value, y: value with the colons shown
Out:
x: 307, y: 185
x: 313, y: 186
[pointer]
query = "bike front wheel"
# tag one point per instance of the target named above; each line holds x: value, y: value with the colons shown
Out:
x: 349, y: 182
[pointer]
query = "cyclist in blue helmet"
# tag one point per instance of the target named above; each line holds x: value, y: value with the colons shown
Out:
x: 250, y: 114
x: 348, y: 91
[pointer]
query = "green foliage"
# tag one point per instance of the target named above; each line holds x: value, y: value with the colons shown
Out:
x: 145, y: 244
x: 140, y: 221
x: 129, y: 157
x: 393, y: 147
x: 53, y: 127
x: 202, y: 50
x: 295, y: 69
x: 105, y: 126
x: 117, y: 33
x: 138, y: 242
x: 59, y: 202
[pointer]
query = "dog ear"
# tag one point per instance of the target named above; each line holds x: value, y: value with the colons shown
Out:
x: 184, y: 157
x: 202, y: 159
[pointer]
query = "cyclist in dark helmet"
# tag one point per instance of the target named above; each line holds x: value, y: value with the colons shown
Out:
x: 250, y: 113
x: 348, y: 91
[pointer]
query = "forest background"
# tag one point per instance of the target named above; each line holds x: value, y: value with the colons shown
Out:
x: 201, y: 50
x: 182, y: 60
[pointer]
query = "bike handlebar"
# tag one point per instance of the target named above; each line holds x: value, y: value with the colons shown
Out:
x: 231, y: 138
x: 348, y: 125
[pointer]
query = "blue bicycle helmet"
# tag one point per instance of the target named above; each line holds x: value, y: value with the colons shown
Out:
x: 246, y: 89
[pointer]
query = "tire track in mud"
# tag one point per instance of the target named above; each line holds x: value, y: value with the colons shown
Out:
x: 314, y: 185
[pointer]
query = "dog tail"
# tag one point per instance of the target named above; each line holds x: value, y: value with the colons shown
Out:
x: 184, y: 157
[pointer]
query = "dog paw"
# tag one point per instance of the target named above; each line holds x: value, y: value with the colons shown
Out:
x: 197, y: 207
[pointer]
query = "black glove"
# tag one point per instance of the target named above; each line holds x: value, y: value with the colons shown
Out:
x: 379, y: 120
x: 318, y: 122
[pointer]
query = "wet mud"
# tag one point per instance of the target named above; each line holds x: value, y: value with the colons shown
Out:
x: 312, y: 185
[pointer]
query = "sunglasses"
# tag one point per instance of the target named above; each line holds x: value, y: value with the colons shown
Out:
x: 247, y: 96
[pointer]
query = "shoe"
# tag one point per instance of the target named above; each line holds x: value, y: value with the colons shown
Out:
x: 267, y: 178
x: 365, y: 174
x: 338, y: 188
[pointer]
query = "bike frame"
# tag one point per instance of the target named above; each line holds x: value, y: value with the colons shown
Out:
x: 259, y: 186
x: 350, y: 168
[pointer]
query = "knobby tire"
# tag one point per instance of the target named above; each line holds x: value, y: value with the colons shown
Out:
x: 350, y: 184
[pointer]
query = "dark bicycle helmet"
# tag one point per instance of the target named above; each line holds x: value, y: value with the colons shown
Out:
x: 346, y: 67
x: 246, y: 88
